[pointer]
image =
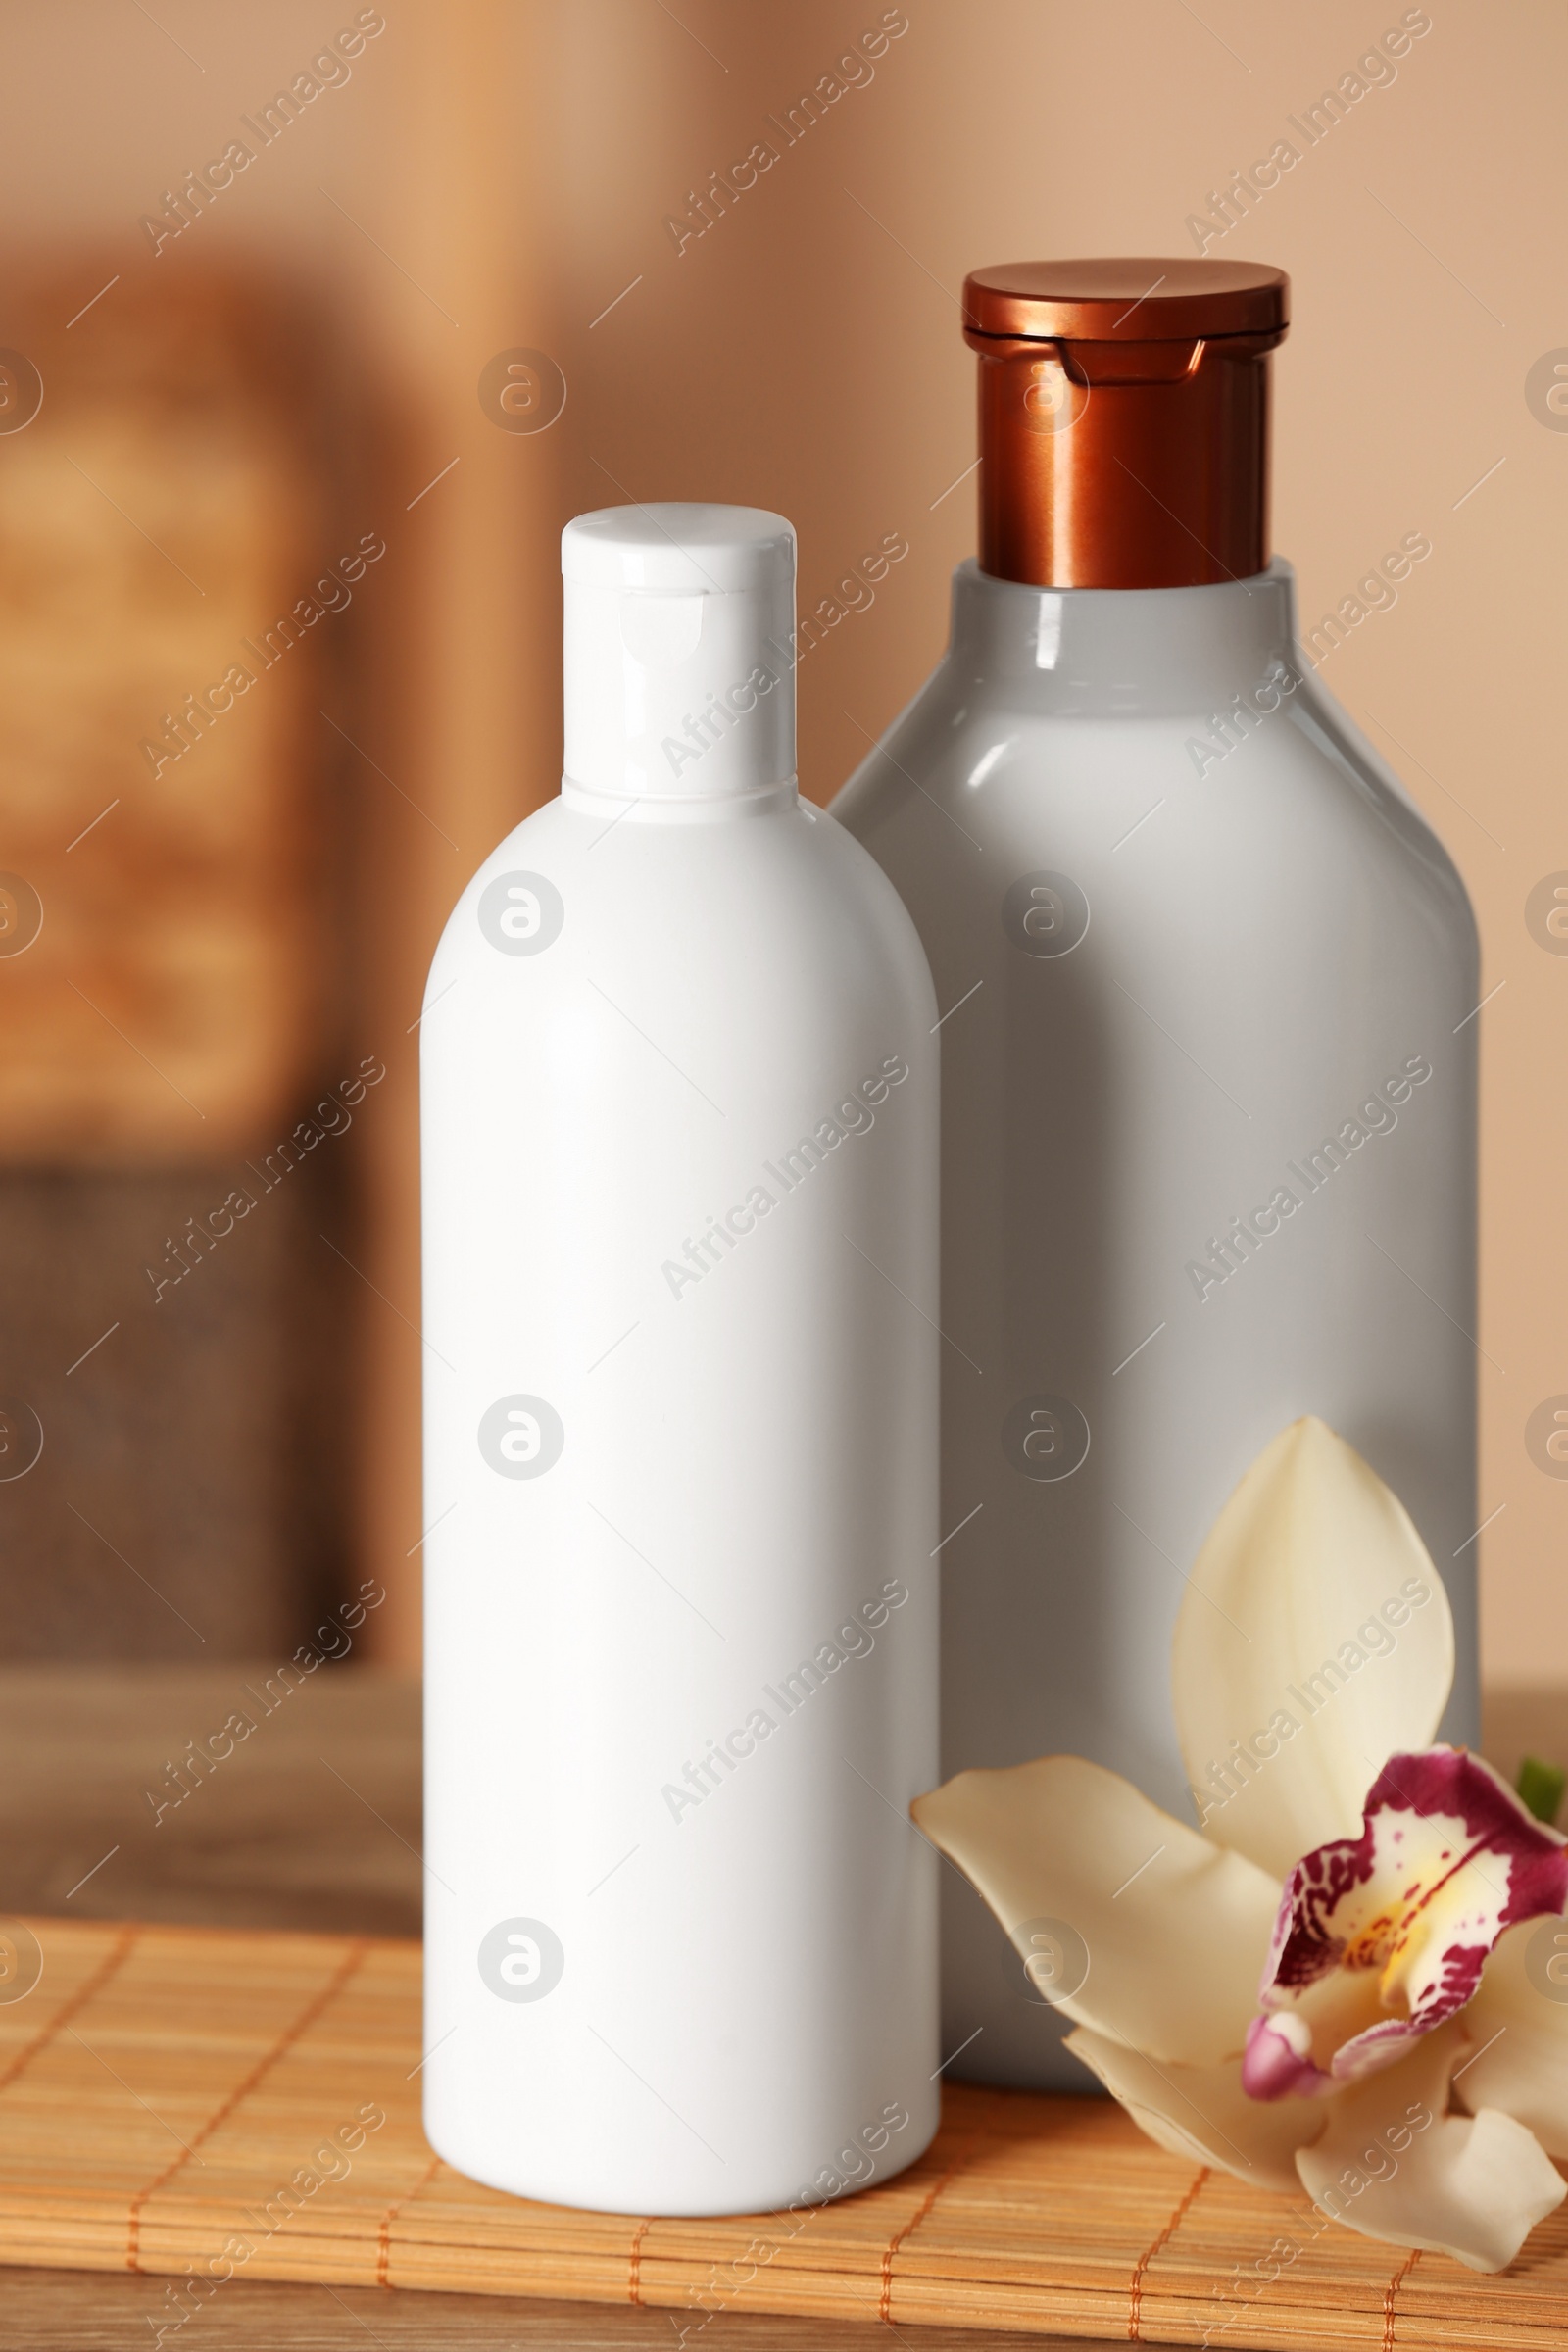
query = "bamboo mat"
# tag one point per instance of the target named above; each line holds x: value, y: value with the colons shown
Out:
x: 165, y: 2093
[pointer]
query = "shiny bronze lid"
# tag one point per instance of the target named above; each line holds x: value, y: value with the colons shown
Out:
x: 1137, y: 301
x: 1124, y: 419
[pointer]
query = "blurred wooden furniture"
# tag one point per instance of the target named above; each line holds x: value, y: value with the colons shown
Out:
x: 160, y: 746
x: 181, y: 579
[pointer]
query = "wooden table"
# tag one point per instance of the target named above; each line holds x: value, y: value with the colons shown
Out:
x: 313, y: 1822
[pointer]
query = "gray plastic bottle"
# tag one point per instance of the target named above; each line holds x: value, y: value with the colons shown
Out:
x: 1207, y: 985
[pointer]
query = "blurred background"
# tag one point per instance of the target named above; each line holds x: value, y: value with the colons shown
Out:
x: 315, y: 327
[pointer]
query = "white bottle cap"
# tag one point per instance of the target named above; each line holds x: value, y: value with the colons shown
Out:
x: 678, y: 663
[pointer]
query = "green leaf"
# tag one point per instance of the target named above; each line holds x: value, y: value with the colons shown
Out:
x: 1541, y: 1788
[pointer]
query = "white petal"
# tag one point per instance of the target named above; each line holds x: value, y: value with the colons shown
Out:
x: 1519, y: 2023
x: 1315, y: 1635
x: 1391, y: 2164
x: 1174, y: 1930
x: 1203, y: 2111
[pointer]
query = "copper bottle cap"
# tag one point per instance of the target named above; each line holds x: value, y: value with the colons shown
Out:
x: 1124, y: 419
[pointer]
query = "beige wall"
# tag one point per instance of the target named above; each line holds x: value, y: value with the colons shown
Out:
x: 805, y: 354
x: 518, y: 163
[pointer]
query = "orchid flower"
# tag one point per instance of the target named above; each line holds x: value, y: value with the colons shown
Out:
x: 1337, y: 1981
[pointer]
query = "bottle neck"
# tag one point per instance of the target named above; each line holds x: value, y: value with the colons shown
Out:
x: 692, y: 808
x: 1131, y: 651
x: 1112, y: 464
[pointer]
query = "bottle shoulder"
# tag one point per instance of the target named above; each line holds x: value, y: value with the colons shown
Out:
x: 788, y: 894
x: 987, y: 757
x: 1370, y: 783
x: 527, y: 853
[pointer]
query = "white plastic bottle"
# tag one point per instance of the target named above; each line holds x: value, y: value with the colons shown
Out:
x: 680, y: 1154
x: 1210, y: 1087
